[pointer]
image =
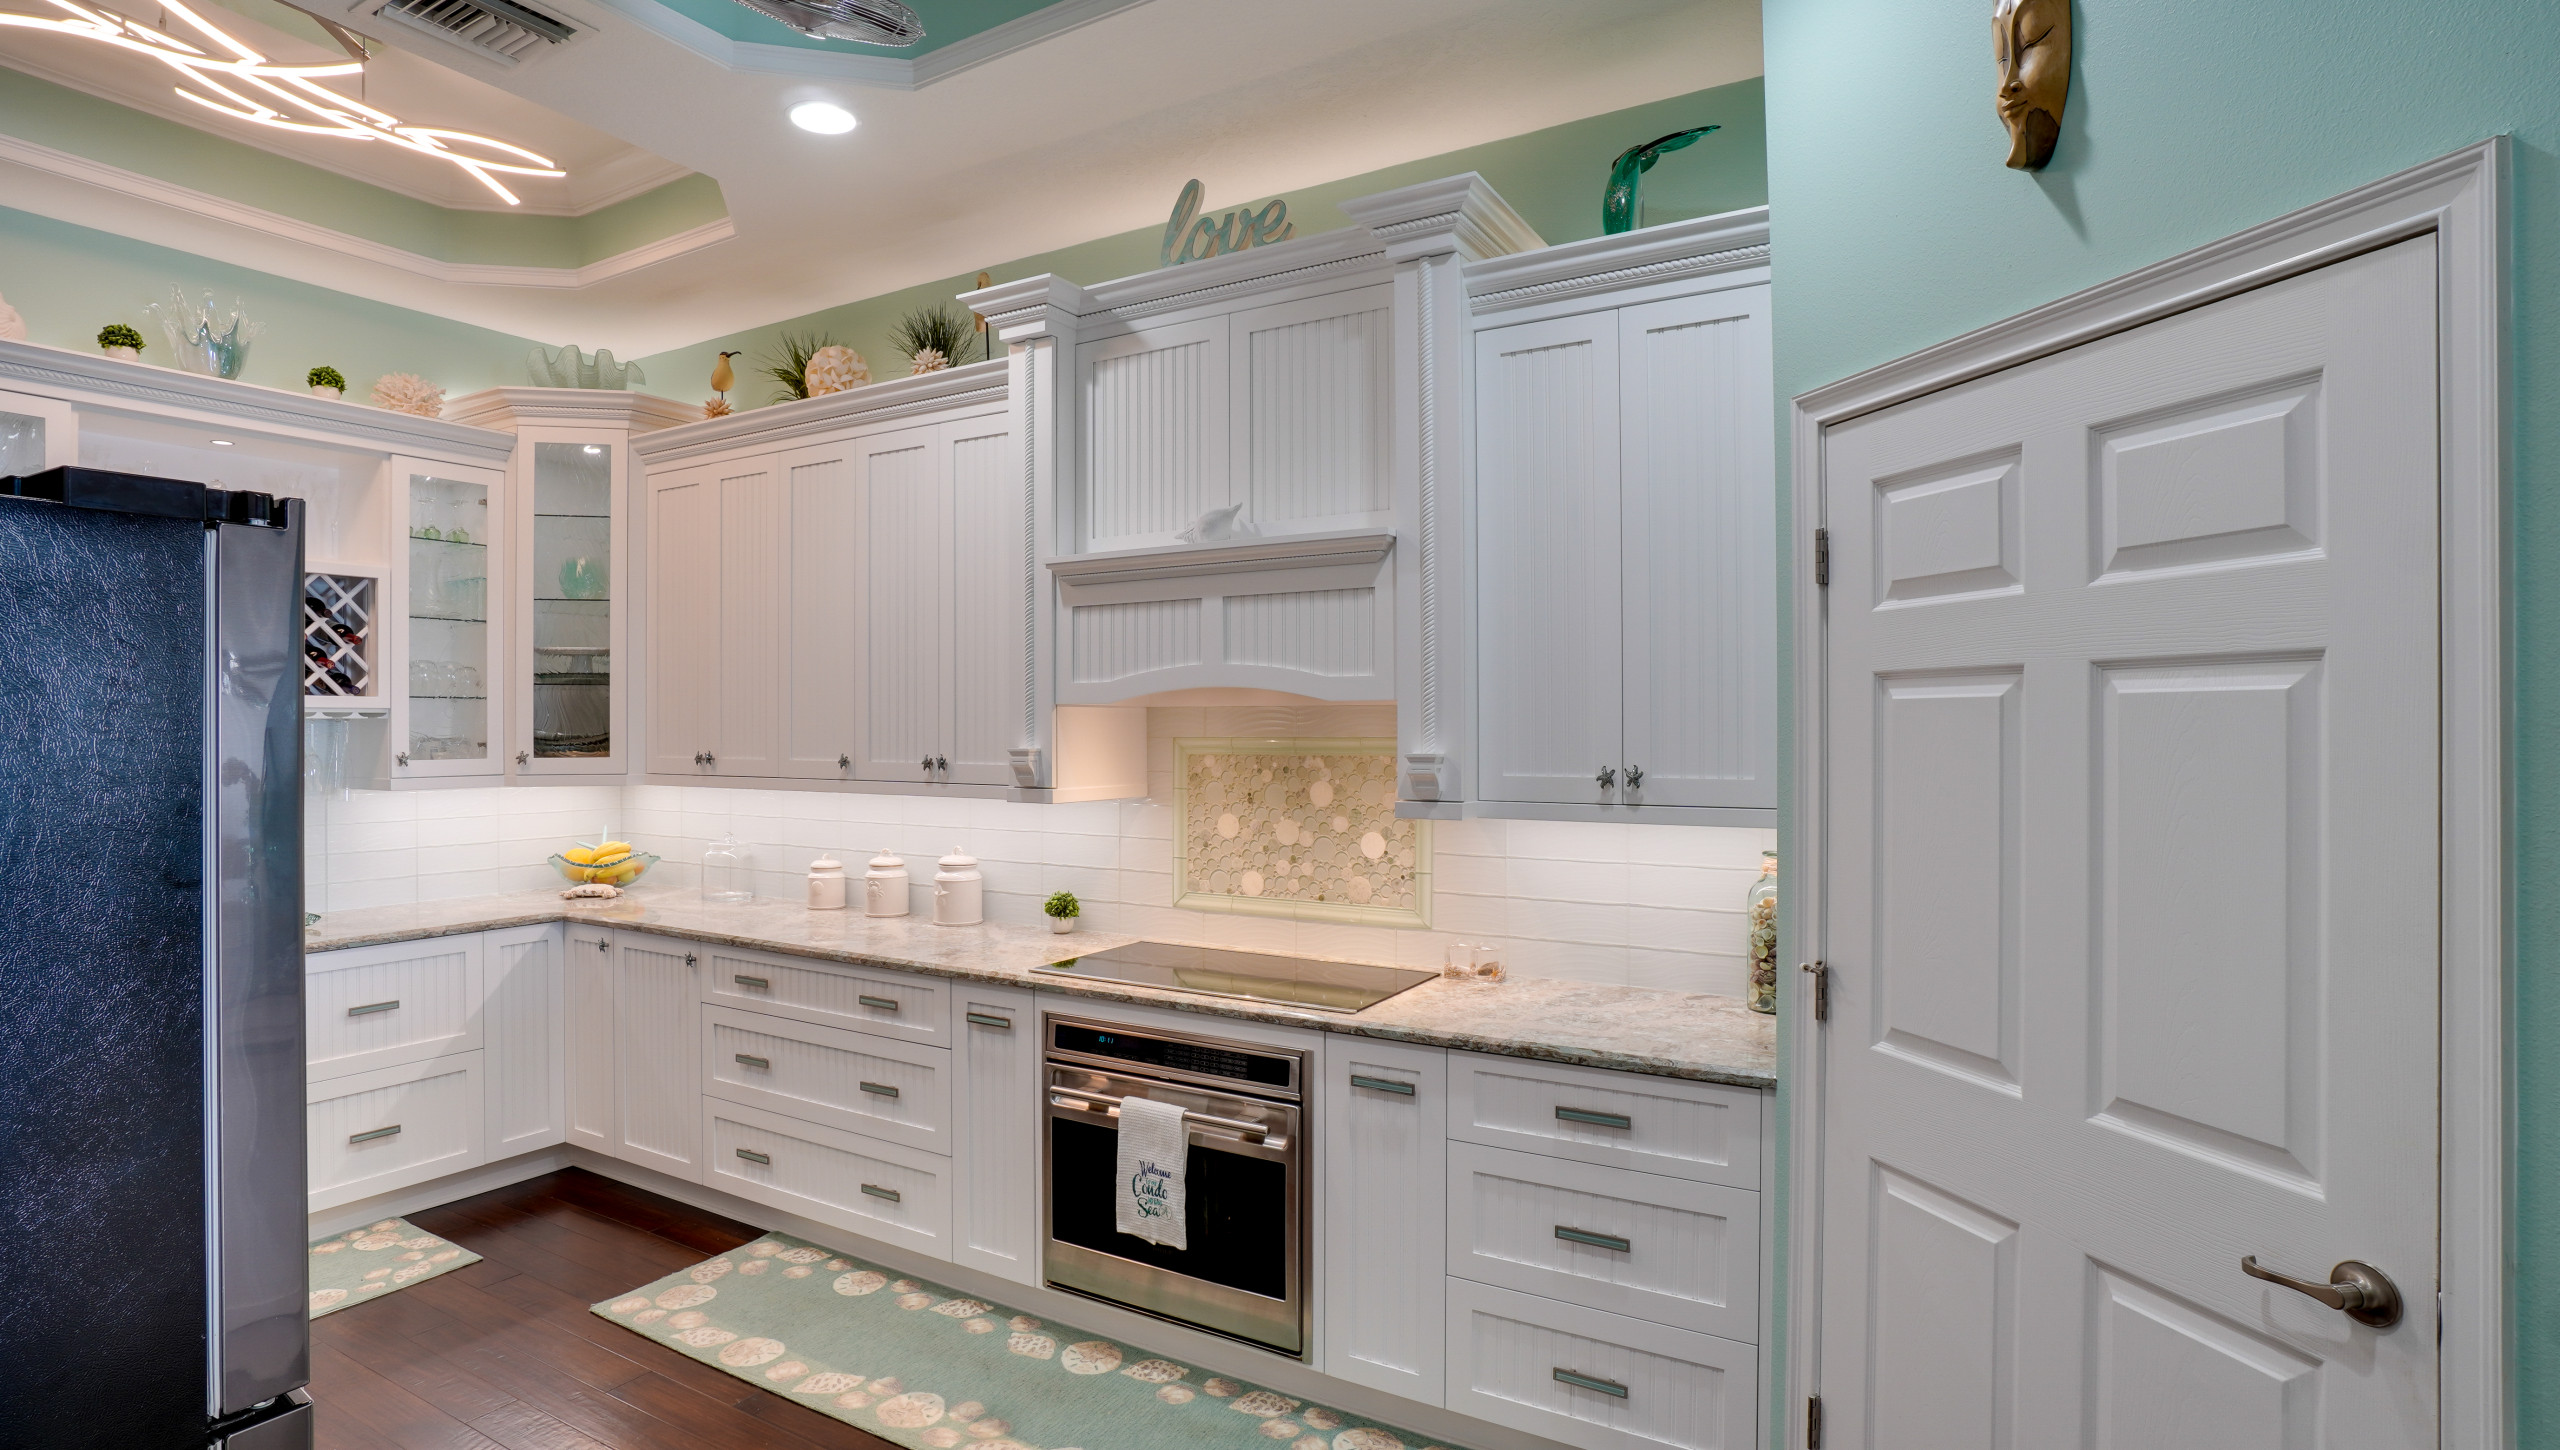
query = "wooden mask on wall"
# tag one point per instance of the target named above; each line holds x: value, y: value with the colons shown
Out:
x: 2031, y: 39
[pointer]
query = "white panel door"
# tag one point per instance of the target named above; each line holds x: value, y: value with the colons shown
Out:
x: 819, y: 679
x: 1153, y: 407
x: 748, y: 701
x: 657, y: 1060
x: 1699, y: 433
x: 524, y: 1085
x: 1547, y: 538
x: 1386, y: 1110
x: 995, y: 1137
x: 1313, y: 412
x: 2132, y: 758
x: 587, y: 1040
x: 991, y: 599
x: 900, y: 616
x: 684, y: 619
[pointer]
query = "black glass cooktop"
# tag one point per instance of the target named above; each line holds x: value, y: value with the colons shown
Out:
x: 1253, y: 976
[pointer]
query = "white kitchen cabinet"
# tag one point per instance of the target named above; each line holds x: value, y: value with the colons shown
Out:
x: 996, y: 1116
x: 1596, y: 1380
x: 897, y: 1194
x: 657, y: 1064
x: 683, y: 594
x: 1625, y: 476
x: 747, y: 701
x: 1702, y: 1130
x: 1385, y: 1114
x: 876, y: 1086
x: 372, y: 1132
x: 821, y: 680
x: 587, y: 1036
x: 447, y: 653
x: 370, y: 1008
x: 522, y: 1026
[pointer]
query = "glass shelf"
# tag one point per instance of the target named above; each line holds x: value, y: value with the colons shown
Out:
x: 445, y: 576
x: 456, y: 543
x: 571, y: 544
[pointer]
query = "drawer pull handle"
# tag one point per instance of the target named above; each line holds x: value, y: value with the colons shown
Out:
x: 1382, y: 1085
x: 749, y: 1059
x: 880, y: 1089
x: 752, y: 1156
x: 883, y: 1004
x: 369, y: 1008
x: 1597, y: 1120
x: 1611, y: 1388
x: 1597, y: 1241
x: 988, y: 1019
x: 759, y: 983
x: 355, y: 1138
x: 876, y: 1191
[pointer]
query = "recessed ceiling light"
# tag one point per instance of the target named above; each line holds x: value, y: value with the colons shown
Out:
x: 824, y: 117
x: 221, y: 442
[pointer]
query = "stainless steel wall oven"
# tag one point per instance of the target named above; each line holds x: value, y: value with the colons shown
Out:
x: 1244, y: 1274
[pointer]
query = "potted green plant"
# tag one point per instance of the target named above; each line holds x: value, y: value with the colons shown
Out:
x: 934, y: 338
x: 119, y: 340
x: 326, y: 382
x: 1062, y: 909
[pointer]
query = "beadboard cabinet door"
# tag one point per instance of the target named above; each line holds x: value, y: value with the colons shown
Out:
x: 1699, y: 460
x: 747, y: 702
x: 657, y: 1062
x: 1549, y: 537
x: 992, y: 596
x: 587, y: 1037
x: 996, y: 1119
x: 524, y: 1030
x: 900, y: 623
x: 821, y: 675
x: 684, y: 618
x: 1385, y: 1109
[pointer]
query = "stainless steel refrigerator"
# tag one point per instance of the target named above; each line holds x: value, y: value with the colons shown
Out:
x: 153, y: 1269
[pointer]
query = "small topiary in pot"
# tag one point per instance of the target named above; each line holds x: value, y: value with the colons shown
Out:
x: 119, y: 340
x: 1062, y: 909
x: 326, y: 381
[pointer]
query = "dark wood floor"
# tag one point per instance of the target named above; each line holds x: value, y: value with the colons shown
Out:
x: 505, y: 1352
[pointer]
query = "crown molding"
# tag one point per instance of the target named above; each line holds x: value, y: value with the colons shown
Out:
x: 1730, y: 242
x: 506, y: 408
x: 884, y: 72
x: 1461, y: 214
x: 56, y: 370
x: 972, y: 384
x: 206, y: 206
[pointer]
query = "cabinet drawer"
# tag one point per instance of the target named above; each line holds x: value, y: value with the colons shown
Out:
x: 1600, y: 1381
x: 894, y: 1194
x: 376, y: 1007
x: 376, y: 1131
x: 877, y: 1086
x: 886, y: 1004
x: 1672, y: 1250
x: 1700, y: 1130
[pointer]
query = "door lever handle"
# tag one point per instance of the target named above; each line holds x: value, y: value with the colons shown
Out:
x: 2356, y: 1289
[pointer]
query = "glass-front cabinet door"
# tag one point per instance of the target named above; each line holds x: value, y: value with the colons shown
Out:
x: 568, y: 708
x: 35, y: 434
x: 449, y: 657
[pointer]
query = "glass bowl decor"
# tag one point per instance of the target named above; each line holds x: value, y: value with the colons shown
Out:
x: 567, y: 367
x: 582, y: 579
x: 206, y: 340
x: 607, y: 863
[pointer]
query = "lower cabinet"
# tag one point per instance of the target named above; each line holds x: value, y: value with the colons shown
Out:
x: 521, y: 1026
x: 1594, y: 1379
x: 372, y: 1132
x: 587, y: 1057
x: 657, y: 1063
x: 996, y: 1115
x: 898, y: 1195
x: 1384, y: 1122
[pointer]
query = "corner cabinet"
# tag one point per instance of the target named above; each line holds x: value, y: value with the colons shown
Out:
x: 558, y: 703
x: 1625, y: 492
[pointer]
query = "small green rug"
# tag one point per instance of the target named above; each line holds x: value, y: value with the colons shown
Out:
x: 917, y: 1364
x: 367, y: 1263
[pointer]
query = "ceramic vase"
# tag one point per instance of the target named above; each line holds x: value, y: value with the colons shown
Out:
x: 1063, y: 924
x: 128, y: 354
x: 330, y: 393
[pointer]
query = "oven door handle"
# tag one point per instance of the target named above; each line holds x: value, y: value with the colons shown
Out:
x: 1237, y: 1128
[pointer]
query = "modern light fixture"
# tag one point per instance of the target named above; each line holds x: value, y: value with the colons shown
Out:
x: 866, y: 22
x: 322, y: 112
x: 824, y: 117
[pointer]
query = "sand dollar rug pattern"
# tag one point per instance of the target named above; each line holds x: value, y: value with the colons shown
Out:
x: 367, y: 1263
x: 917, y: 1364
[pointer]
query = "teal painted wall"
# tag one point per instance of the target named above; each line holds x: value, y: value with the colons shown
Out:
x: 1896, y: 226
x: 69, y: 281
x: 1553, y: 177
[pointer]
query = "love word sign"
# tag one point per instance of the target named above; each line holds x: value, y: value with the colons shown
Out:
x: 1191, y: 237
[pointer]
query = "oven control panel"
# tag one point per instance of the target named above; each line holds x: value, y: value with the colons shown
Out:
x: 1232, y: 1065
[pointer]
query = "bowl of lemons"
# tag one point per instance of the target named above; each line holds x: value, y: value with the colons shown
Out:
x: 610, y: 863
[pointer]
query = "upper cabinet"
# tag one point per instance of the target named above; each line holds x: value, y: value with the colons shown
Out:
x: 451, y: 646
x: 559, y: 704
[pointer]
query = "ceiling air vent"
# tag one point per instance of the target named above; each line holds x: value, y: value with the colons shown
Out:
x: 499, y: 28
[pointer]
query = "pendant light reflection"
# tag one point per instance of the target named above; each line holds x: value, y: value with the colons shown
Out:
x: 237, y: 83
x: 823, y: 117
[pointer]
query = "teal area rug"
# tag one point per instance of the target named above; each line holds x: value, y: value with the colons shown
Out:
x: 917, y: 1364
x: 367, y: 1263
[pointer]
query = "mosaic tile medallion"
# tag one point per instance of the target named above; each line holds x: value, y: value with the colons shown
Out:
x: 1297, y: 828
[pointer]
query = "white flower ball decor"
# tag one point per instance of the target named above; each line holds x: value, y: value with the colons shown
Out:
x: 834, y: 369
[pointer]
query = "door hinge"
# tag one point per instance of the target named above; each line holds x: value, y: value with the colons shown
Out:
x: 1821, y: 989
x: 1813, y: 1422
x: 1822, y: 558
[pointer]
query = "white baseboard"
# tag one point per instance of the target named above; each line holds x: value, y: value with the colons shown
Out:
x: 400, y: 1203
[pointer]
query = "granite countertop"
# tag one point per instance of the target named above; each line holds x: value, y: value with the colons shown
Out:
x: 1588, y: 1024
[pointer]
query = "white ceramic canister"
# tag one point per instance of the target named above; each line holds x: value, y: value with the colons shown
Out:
x: 884, y: 886
x: 959, y: 891
x: 826, y: 884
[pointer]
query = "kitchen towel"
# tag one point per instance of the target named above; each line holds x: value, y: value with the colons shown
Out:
x: 1153, y: 1146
